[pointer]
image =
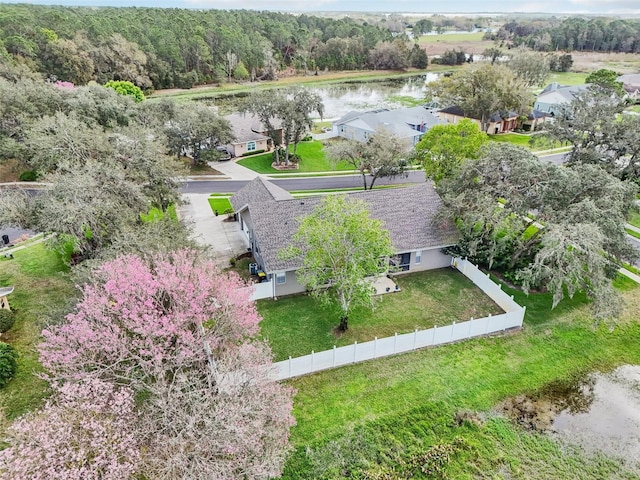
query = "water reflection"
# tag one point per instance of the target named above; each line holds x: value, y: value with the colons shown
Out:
x: 598, y: 412
x: 342, y: 98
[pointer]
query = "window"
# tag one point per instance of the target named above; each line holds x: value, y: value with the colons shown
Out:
x: 251, y: 146
x: 281, y: 278
x: 418, y: 257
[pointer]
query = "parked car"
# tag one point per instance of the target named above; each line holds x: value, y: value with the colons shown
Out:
x: 223, y: 153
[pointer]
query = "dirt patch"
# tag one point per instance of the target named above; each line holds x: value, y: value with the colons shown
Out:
x: 10, y: 170
x: 203, y: 170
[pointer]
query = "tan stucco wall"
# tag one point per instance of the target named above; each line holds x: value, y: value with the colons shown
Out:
x: 240, y: 149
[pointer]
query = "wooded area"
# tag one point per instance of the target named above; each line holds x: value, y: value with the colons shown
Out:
x: 573, y: 34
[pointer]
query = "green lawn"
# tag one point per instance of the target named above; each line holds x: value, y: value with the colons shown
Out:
x: 634, y: 218
x: 297, y: 325
x: 220, y: 204
x: 451, y: 38
x: 387, y: 411
x: 567, y: 78
x: 633, y: 233
x: 525, y: 141
x: 42, y: 290
x: 313, y: 160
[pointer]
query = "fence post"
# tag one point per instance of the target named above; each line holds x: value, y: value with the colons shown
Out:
x: 289, y: 366
x: 334, y: 355
x: 355, y: 347
x: 375, y: 346
x: 312, y: 357
x: 415, y: 338
x: 395, y: 342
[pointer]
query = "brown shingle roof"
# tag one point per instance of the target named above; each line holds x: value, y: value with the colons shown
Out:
x: 409, y: 213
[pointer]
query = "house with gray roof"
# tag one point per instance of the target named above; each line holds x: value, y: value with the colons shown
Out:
x: 250, y: 135
x: 269, y: 217
x: 554, y: 98
x: 406, y: 123
x: 631, y: 84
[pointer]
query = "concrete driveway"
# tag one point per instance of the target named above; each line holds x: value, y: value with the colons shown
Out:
x: 224, y: 238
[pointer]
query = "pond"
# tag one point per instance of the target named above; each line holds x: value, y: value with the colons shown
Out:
x: 339, y: 99
x: 598, y: 412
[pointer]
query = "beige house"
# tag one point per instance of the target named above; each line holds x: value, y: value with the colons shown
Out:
x: 268, y: 216
x: 250, y: 134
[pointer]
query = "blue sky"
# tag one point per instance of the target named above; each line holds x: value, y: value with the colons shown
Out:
x: 620, y: 7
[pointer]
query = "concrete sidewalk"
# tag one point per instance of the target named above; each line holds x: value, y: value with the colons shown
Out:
x: 233, y: 171
x: 224, y: 238
x: 630, y: 275
x: 628, y: 226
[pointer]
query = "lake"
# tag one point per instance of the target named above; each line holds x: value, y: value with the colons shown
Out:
x: 341, y: 98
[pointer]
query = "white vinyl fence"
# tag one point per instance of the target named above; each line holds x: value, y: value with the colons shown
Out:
x: 261, y: 290
x: 383, y: 347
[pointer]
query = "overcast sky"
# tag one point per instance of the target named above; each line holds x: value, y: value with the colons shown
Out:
x: 620, y: 7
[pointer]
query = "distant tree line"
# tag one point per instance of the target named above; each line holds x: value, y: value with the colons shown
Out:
x: 573, y: 34
x: 164, y: 48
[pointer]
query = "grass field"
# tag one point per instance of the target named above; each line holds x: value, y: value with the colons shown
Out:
x: 42, y: 290
x: 526, y: 141
x: 451, y: 38
x: 377, y: 416
x: 634, y: 218
x: 297, y: 325
x: 313, y: 160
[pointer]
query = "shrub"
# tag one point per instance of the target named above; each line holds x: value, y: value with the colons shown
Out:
x: 255, y: 152
x: 7, y: 318
x: 29, y: 176
x: 8, y: 363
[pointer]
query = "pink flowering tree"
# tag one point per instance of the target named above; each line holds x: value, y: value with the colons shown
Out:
x: 140, y: 320
x: 84, y: 432
x: 175, y: 329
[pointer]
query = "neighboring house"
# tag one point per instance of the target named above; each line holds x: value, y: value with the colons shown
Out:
x: 268, y: 217
x: 250, y: 135
x: 554, y: 98
x: 631, y: 84
x: 500, y: 122
x: 534, y: 120
x: 406, y: 123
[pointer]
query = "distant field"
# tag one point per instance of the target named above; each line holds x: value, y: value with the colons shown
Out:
x: 450, y: 38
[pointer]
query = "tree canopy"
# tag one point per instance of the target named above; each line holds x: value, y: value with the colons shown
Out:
x: 482, y: 91
x: 177, y: 335
x: 341, y: 249
x: 383, y: 155
x: 444, y: 148
x: 546, y: 226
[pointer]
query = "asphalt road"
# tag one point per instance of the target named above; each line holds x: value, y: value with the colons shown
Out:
x: 309, y: 183
x: 557, y: 158
x: 636, y: 243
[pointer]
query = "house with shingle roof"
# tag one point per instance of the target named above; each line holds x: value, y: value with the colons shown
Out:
x: 631, y: 84
x: 250, y: 134
x: 500, y: 122
x: 406, y: 123
x: 555, y: 97
x: 269, y: 216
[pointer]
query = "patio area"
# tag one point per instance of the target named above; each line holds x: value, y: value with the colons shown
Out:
x: 384, y: 285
